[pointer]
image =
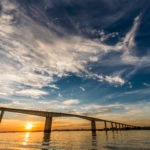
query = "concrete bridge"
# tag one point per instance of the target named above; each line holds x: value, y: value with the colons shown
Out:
x: 49, y: 115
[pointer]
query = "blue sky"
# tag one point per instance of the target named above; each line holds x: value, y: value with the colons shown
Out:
x: 85, y: 57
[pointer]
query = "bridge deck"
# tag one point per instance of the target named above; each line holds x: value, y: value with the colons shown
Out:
x: 54, y: 114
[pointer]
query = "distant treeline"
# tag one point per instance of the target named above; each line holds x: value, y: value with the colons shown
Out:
x: 145, y: 128
x: 108, y: 129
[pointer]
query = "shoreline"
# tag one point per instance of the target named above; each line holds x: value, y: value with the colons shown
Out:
x: 129, y: 129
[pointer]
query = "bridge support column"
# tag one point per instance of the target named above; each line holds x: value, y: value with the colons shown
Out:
x: 93, y: 127
x: 48, y: 124
x: 105, y: 123
x: 116, y: 126
x: 1, y: 115
x: 112, y: 126
x: 123, y: 126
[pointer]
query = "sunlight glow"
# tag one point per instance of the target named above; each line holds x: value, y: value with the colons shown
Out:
x: 29, y: 126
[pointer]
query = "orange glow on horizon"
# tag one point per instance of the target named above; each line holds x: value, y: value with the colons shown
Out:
x: 19, y: 125
x: 38, y: 125
x: 29, y: 126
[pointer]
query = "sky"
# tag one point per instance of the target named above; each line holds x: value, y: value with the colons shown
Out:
x: 88, y: 57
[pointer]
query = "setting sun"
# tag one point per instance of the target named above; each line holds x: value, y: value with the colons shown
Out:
x: 29, y: 126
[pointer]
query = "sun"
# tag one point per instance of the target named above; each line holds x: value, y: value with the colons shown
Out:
x: 29, y: 126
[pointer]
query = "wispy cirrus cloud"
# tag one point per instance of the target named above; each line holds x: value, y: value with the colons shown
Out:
x: 146, y: 84
x: 128, y: 44
x: 111, y: 79
x: 83, y: 89
x: 33, y: 55
x: 71, y: 102
x: 115, y: 79
x: 34, y: 93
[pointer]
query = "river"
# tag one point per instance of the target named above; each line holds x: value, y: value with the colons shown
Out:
x: 76, y: 140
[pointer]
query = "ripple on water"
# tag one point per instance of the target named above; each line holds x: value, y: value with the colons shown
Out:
x: 79, y: 140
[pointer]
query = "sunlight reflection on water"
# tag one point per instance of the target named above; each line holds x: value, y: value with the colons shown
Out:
x: 76, y: 140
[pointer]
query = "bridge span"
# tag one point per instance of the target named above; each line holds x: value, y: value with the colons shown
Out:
x: 49, y: 115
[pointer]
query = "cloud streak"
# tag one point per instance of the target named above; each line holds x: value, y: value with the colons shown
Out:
x: 31, y: 62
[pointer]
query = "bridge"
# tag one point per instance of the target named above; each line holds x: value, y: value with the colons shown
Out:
x: 49, y: 115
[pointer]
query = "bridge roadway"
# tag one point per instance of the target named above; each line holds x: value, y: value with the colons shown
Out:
x: 49, y: 115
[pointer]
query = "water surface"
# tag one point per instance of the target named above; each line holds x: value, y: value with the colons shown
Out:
x: 76, y: 140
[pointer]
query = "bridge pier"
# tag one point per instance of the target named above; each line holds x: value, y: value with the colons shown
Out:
x: 46, y: 139
x: 93, y: 127
x: 112, y: 126
x: 48, y: 124
x: 123, y: 126
x: 105, y: 123
x: 116, y: 126
x: 1, y: 115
